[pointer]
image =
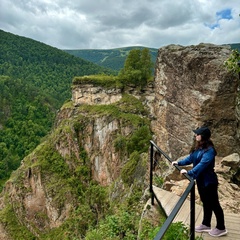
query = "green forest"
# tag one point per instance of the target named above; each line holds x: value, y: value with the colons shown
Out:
x: 35, y: 80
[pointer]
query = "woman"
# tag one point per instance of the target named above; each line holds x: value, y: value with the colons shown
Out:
x: 202, y: 157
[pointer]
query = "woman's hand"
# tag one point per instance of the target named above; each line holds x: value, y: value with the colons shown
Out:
x: 183, y: 171
x: 174, y: 163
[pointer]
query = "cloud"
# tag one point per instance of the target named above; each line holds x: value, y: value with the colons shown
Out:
x: 104, y: 24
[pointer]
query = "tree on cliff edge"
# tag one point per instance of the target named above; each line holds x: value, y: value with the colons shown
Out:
x: 137, y: 67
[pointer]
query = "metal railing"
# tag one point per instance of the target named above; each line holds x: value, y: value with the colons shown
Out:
x: 190, y: 189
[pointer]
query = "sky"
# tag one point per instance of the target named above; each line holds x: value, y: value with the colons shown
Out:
x: 108, y: 24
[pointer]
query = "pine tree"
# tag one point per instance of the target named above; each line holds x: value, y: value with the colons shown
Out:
x: 137, y: 67
x: 146, y: 63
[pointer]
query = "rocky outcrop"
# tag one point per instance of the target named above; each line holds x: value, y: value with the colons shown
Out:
x: 98, y: 95
x: 232, y: 168
x: 100, y: 131
x: 192, y: 88
x: 91, y: 95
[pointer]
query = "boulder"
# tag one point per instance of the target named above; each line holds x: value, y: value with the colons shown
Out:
x: 232, y: 161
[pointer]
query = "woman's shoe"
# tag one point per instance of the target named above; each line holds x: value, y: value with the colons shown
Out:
x: 217, y: 233
x: 202, y: 228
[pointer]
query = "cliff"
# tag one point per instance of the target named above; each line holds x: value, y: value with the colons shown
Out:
x: 65, y: 181
x: 96, y: 154
x: 192, y: 88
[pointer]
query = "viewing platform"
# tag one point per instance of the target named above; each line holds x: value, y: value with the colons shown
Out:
x: 168, y: 201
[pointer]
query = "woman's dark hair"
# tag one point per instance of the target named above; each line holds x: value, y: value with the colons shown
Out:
x: 203, y: 144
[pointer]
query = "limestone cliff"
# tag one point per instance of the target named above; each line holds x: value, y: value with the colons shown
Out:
x: 193, y: 88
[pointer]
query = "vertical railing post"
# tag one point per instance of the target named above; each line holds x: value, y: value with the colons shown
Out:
x: 192, y: 213
x: 151, y: 174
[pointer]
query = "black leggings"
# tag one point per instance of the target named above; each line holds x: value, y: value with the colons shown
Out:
x: 209, y: 198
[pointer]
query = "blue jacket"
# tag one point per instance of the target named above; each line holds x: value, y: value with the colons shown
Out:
x: 203, y: 166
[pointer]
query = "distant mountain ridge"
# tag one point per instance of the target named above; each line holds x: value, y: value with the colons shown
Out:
x: 115, y: 58
x: 234, y: 46
x: 109, y: 58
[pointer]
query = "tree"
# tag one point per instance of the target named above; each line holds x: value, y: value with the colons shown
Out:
x: 233, y: 62
x: 137, y: 67
x: 133, y: 60
x: 146, y: 63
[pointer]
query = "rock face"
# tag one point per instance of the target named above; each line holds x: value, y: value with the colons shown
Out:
x: 192, y: 88
x: 89, y: 94
x: 100, y: 131
x: 98, y: 95
x: 36, y: 207
x: 105, y: 160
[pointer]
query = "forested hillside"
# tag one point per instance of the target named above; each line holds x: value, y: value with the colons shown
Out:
x: 235, y: 46
x: 45, y: 67
x: 35, y: 80
x: 110, y: 58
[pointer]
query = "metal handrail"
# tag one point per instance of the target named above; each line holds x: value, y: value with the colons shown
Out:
x: 190, y: 189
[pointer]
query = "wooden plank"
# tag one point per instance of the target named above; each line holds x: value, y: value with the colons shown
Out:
x: 169, y: 200
x: 171, y: 204
x: 184, y: 214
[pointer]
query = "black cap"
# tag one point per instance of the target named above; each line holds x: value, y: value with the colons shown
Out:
x: 203, y: 131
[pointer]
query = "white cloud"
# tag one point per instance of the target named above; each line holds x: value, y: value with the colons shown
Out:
x: 84, y: 24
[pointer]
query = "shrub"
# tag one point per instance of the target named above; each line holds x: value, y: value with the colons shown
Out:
x: 139, y: 141
x: 129, y: 168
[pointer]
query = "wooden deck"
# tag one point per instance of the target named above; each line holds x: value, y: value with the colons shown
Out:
x: 169, y: 200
